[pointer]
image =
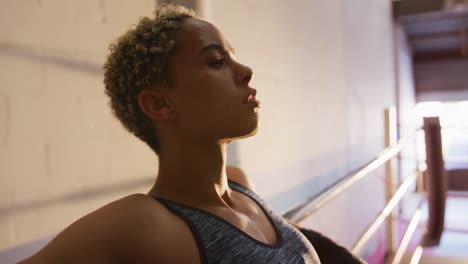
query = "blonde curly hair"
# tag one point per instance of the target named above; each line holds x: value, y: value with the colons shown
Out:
x: 138, y: 59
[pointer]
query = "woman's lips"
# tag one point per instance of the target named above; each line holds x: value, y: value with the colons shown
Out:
x: 253, y: 102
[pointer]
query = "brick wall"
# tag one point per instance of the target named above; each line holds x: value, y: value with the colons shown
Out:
x: 59, y: 142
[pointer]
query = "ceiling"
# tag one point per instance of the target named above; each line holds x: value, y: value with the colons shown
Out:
x: 436, y: 29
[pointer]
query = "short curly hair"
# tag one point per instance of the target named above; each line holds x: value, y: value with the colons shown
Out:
x: 139, y: 59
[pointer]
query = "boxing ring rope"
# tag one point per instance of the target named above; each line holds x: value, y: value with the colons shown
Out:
x: 393, y: 197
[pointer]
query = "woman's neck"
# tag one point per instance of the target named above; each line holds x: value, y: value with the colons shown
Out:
x: 193, y: 174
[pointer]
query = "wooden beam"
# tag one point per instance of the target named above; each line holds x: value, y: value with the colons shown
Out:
x: 411, y: 7
x: 436, y: 56
x: 433, y: 36
x: 463, y: 36
x: 431, y: 17
x: 442, y: 75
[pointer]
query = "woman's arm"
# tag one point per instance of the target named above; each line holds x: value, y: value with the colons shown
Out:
x: 328, y: 251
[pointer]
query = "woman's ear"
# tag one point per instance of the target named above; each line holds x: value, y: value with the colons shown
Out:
x: 157, y: 105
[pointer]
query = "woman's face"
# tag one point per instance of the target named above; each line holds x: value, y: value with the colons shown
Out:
x: 209, y: 87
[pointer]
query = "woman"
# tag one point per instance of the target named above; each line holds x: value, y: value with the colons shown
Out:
x: 174, y: 82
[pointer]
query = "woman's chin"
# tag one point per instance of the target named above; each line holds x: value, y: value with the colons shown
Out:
x: 254, y: 127
x: 252, y: 131
x: 243, y: 129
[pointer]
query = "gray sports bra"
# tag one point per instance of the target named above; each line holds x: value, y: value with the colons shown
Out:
x: 221, y: 242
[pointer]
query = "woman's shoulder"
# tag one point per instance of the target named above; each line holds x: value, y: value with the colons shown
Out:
x: 113, y: 232
x: 238, y: 175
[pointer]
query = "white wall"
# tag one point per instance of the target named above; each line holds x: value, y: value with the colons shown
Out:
x: 324, y: 73
x: 405, y: 78
x: 408, y: 120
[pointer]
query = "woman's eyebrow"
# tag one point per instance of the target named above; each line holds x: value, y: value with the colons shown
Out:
x: 213, y: 46
x: 231, y: 49
x: 218, y: 47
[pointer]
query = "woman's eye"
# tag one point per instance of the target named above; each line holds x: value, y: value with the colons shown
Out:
x: 218, y: 63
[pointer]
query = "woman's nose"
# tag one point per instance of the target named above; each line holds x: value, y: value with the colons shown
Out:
x: 245, y: 74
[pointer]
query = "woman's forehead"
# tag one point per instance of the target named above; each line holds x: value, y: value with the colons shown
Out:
x: 195, y: 34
